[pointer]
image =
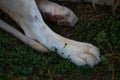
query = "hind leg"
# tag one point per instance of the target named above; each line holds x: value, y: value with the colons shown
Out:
x: 57, y: 13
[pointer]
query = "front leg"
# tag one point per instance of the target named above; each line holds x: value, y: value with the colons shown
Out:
x: 26, y: 13
x: 56, y: 13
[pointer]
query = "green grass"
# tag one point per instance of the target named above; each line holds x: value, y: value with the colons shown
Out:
x: 19, y: 61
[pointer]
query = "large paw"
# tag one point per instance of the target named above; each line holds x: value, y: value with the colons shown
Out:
x: 56, y: 13
x: 81, y: 53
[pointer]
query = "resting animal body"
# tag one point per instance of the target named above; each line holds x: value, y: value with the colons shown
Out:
x: 27, y: 13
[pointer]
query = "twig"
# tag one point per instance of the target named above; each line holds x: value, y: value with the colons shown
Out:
x: 103, y: 49
x: 97, y: 76
x: 93, y: 4
x: 113, y: 72
x: 115, y: 5
x: 34, y: 44
x: 49, y: 74
x: 109, y: 46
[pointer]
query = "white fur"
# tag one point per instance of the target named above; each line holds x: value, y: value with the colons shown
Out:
x: 26, y: 13
x: 55, y: 9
